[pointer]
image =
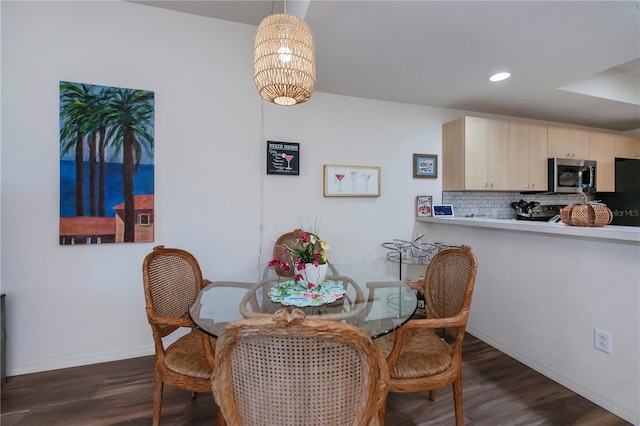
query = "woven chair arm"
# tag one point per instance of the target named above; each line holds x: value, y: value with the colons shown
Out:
x: 177, y: 322
x: 416, y: 285
x: 457, y: 321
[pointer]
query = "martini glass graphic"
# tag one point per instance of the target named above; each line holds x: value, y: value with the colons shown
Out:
x: 288, y: 157
x: 353, y: 181
x: 366, y: 177
x: 339, y: 177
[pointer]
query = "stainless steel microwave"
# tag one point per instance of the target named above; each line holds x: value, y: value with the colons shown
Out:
x: 572, y: 176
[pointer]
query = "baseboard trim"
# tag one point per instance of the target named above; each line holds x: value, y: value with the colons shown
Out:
x: 37, y: 366
x: 627, y: 413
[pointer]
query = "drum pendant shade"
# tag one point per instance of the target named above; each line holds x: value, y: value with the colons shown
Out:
x: 284, y: 60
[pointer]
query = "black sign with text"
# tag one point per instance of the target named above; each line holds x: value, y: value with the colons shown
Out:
x: 283, y: 158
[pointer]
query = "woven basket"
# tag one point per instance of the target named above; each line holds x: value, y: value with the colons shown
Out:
x: 586, y: 214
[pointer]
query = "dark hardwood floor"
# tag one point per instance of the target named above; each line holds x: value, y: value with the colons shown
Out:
x: 497, y: 391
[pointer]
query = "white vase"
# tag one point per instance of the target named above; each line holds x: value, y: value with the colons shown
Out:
x: 312, y: 274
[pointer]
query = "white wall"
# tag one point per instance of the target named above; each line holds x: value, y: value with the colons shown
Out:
x: 73, y: 305
x: 76, y: 305
x: 342, y: 130
x: 538, y: 298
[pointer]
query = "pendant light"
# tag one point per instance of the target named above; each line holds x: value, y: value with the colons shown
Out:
x: 284, y: 59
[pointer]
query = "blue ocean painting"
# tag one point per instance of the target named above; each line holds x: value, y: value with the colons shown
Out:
x: 106, y: 161
x: 143, y: 184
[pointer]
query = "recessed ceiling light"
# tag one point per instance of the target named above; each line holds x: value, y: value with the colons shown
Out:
x: 500, y: 76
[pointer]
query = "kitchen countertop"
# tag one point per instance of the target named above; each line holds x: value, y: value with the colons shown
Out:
x: 610, y: 232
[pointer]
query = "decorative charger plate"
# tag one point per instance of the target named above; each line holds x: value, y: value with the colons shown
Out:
x: 289, y: 293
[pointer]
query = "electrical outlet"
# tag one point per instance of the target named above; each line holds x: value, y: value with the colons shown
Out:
x: 602, y: 340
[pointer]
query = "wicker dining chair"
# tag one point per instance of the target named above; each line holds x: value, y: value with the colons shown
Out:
x: 286, y: 240
x: 292, y: 370
x: 172, y: 280
x: 417, y: 357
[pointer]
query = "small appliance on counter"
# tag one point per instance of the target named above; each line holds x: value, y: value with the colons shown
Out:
x: 535, y: 211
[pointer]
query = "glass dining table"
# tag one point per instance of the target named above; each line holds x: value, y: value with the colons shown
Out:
x: 373, y: 301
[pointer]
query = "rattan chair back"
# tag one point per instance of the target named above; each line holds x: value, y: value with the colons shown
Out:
x: 292, y: 370
x: 172, y: 279
x: 447, y: 285
x: 279, y: 250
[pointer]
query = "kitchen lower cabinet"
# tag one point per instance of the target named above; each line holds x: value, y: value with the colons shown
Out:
x: 527, y: 157
x: 475, y: 155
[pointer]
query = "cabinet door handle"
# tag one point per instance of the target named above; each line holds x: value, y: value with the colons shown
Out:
x: 533, y: 185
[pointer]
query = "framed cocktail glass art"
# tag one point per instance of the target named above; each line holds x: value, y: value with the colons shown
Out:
x: 425, y: 166
x: 351, y: 181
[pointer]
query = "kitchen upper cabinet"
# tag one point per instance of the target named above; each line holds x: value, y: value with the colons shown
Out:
x: 568, y: 143
x: 527, y: 157
x: 627, y: 147
x: 604, y: 148
x: 480, y: 154
x: 475, y: 155
x: 602, y: 151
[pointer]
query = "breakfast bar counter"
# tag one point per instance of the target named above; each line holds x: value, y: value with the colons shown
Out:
x: 608, y: 232
x: 541, y: 291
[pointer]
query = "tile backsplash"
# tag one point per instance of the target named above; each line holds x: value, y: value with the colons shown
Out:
x: 498, y: 204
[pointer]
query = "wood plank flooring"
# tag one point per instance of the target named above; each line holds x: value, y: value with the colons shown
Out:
x: 497, y: 391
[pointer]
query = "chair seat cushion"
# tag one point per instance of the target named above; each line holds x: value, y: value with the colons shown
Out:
x: 186, y: 356
x: 423, y: 354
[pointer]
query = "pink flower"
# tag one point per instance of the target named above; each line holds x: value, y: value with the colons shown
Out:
x: 315, y: 263
x: 304, y: 237
x: 300, y: 266
x: 275, y: 261
x: 310, y: 286
x: 298, y: 277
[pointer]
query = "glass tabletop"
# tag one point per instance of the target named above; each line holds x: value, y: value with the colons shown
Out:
x: 375, y: 302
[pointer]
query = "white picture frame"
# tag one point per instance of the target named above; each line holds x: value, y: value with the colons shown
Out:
x: 424, y: 206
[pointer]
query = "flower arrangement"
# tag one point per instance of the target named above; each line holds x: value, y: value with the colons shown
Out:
x: 306, y: 249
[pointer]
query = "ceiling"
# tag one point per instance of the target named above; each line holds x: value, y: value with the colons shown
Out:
x: 573, y: 62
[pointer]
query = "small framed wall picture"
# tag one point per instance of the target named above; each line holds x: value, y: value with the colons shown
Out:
x: 424, y: 205
x: 425, y: 166
x: 283, y: 158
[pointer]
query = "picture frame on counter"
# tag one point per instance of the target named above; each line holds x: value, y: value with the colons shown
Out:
x: 424, y: 206
x: 425, y: 166
x: 351, y: 181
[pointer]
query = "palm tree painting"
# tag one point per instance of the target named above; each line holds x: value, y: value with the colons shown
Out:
x: 106, y: 164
